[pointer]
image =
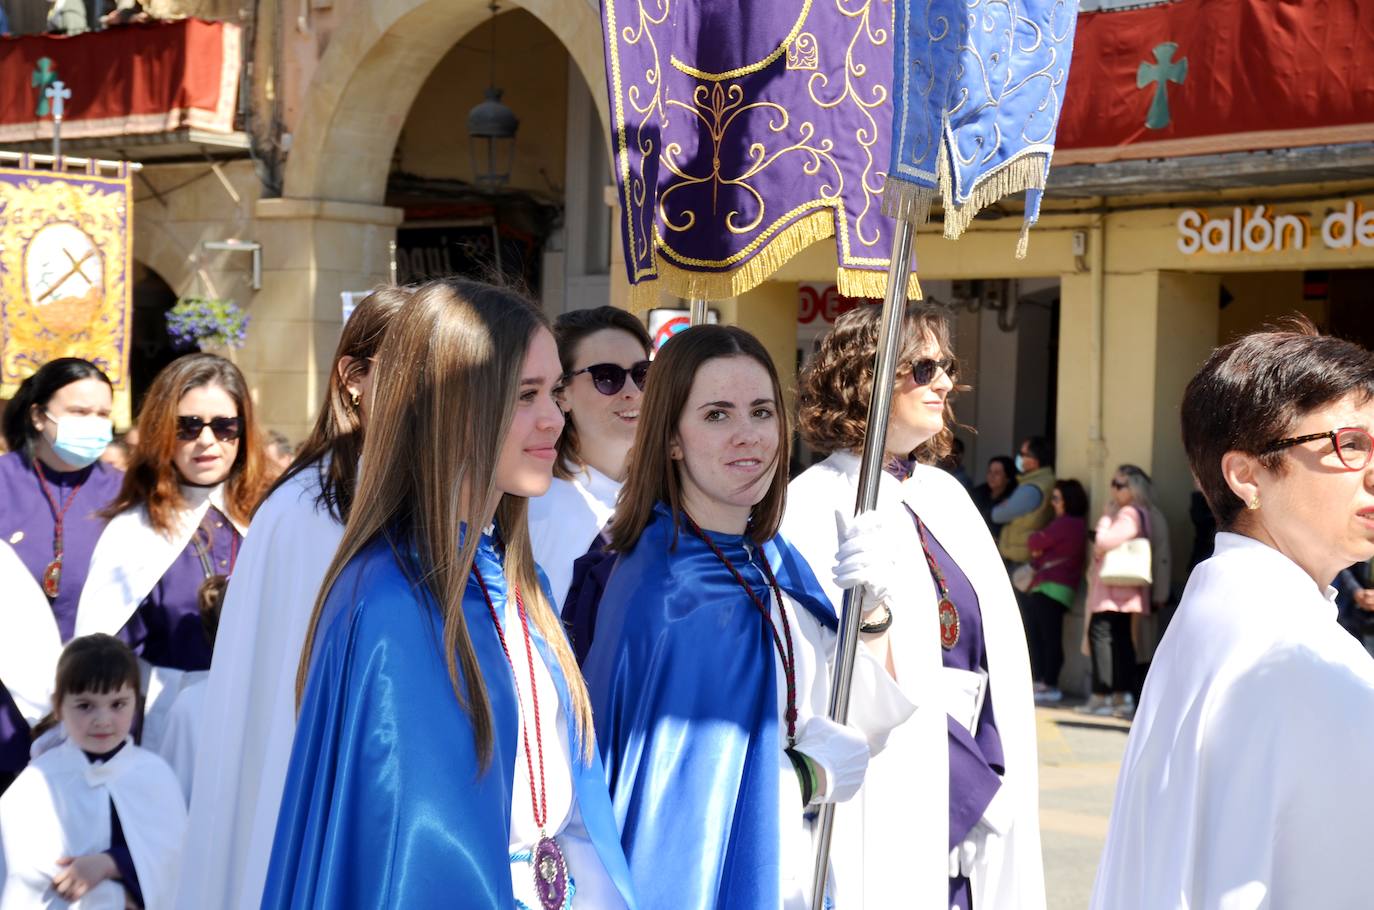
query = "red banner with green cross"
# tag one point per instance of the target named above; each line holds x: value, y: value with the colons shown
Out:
x: 1207, y: 76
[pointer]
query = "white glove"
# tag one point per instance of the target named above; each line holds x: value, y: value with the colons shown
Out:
x: 995, y: 823
x: 840, y: 751
x: 866, y: 557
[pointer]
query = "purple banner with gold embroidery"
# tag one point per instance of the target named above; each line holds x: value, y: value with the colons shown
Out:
x: 65, y: 249
x: 746, y: 131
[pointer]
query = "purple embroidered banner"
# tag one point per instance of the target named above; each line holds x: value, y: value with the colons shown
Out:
x: 65, y: 287
x: 744, y: 132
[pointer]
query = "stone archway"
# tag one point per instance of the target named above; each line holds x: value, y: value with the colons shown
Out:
x: 375, y: 66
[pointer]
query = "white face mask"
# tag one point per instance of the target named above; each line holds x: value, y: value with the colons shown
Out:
x: 81, y: 439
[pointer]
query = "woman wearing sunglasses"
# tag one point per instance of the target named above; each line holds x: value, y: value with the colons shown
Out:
x: 604, y: 352
x: 1244, y: 778
x: 52, y: 489
x: 193, y: 482
x: 948, y: 814
x: 241, y: 763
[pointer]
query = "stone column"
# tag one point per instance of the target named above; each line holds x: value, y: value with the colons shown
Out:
x: 312, y: 251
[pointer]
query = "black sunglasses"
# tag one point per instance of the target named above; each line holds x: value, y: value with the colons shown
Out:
x: 609, y: 378
x: 923, y: 371
x: 224, y: 428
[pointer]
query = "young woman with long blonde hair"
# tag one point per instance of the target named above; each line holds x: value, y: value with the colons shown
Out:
x: 444, y: 751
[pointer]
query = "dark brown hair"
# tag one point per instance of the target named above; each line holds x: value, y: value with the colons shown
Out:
x: 836, y: 386
x: 152, y: 478
x: 652, y: 472
x: 1074, y: 496
x: 333, y: 446
x: 96, y: 663
x: 570, y: 330
x: 1251, y: 392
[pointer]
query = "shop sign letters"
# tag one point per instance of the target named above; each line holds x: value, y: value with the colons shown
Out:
x: 1262, y: 230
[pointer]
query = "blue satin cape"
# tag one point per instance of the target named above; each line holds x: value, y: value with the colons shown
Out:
x: 682, y: 678
x: 385, y: 803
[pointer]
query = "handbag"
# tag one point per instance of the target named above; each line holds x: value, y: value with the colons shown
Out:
x: 1127, y: 566
x: 1022, y: 577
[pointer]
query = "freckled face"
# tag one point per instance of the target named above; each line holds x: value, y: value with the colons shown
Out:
x: 727, y: 442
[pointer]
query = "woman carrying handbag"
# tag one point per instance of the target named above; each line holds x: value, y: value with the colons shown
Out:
x: 1118, y: 588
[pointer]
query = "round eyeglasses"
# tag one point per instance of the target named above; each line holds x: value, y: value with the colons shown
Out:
x: 1352, y: 445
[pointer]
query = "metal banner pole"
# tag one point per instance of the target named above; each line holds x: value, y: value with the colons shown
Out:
x: 697, y: 306
x: 875, y: 440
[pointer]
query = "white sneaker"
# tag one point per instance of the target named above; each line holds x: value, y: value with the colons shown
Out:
x: 1095, y: 704
x: 1048, y: 696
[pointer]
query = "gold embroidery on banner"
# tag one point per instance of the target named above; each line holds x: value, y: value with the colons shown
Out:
x: 72, y: 303
x: 866, y: 137
x: 716, y: 107
x: 751, y: 67
x: 635, y: 187
x: 804, y: 53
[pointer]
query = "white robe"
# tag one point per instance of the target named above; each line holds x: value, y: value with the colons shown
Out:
x: 565, y: 521
x: 181, y: 735
x: 1245, y: 781
x: 879, y: 707
x: 250, y: 697
x: 887, y: 852
x: 31, y: 643
x: 60, y: 806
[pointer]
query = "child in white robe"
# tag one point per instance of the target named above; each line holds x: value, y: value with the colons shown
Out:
x: 95, y: 822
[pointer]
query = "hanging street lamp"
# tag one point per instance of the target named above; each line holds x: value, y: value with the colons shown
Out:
x: 491, y: 130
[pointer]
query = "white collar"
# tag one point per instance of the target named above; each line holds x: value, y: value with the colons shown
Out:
x: 600, y: 486
x: 1290, y: 571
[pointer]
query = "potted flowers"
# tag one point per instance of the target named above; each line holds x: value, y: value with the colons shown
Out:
x: 206, y: 324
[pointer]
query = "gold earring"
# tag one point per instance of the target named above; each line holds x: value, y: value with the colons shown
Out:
x: 1253, y: 504
x: 354, y: 397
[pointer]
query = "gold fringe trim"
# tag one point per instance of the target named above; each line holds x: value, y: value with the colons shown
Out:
x: 872, y: 284
x: 676, y: 281
x: 906, y: 201
x: 1024, y: 173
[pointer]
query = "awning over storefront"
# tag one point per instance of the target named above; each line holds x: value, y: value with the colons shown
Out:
x: 1200, y: 77
x: 157, y: 77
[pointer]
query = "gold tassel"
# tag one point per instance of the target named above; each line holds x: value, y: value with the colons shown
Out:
x: 1023, y: 242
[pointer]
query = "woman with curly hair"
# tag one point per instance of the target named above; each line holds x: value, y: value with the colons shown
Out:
x: 196, y: 476
x: 936, y: 592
